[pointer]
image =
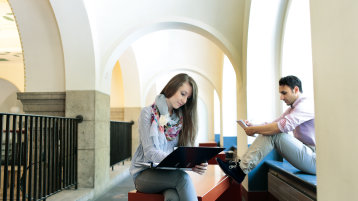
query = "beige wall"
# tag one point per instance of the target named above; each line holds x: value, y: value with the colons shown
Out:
x: 8, y: 99
x: 130, y: 77
x: 11, y: 64
x: 13, y: 71
x: 117, y: 91
x: 335, y: 63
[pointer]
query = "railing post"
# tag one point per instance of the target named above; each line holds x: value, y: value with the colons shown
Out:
x: 1, y: 136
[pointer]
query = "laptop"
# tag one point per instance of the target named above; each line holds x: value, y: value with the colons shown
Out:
x: 186, y: 158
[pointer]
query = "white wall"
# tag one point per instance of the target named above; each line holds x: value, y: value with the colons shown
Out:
x: 335, y: 61
x: 78, y: 44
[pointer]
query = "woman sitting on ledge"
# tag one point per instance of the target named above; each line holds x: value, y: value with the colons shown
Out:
x: 171, y: 121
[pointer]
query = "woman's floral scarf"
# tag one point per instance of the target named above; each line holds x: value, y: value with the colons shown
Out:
x: 166, y: 126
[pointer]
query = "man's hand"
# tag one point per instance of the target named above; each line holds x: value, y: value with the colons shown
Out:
x: 250, y: 130
x: 267, y: 129
x: 200, y: 169
x: 248, y: 123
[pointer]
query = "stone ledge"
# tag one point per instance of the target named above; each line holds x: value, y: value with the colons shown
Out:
x: 44, y: 103
x: 41, y: 95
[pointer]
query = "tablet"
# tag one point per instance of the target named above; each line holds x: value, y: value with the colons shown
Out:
x: 187, y: 157
x: 242, y: 123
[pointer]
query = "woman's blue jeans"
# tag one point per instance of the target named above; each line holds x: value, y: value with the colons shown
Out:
x: 176, y: 185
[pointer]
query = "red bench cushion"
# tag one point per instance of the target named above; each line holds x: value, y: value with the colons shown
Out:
x: 209, y: 186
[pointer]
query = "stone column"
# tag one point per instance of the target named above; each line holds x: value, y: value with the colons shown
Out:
x: 93, y: 137
x: 43, y: 103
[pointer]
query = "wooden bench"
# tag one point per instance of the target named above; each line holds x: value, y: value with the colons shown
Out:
x: 208, y: 144
x: 213, y: 185
x: 286, y: 182
x: 220, y: 155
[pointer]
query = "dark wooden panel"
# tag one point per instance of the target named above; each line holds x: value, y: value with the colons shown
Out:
x: 284, y: 191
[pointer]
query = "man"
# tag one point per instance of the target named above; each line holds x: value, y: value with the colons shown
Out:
x: 299, y: 149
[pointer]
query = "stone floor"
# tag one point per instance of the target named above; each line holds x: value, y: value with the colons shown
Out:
x: 118, y: 192
x: 121, y: 183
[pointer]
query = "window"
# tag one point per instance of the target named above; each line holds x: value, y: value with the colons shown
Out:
x: 229, y: 99
x: 296, y: 49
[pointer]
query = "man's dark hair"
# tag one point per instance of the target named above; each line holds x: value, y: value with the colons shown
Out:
x: 291, y: 81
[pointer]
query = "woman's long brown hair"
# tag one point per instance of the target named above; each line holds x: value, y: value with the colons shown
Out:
x: 188, y: 133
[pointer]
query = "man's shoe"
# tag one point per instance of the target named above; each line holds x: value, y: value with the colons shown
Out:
x: 232, y: 169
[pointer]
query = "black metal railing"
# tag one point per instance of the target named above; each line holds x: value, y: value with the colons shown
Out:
x: 120, y: 141
x: 38, y: 155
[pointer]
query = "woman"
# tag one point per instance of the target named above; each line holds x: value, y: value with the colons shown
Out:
x: 170, y: 122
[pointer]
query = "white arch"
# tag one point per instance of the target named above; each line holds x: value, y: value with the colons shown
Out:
x: 178, y: 23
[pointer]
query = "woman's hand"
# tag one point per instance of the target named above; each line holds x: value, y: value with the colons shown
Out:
x: 200, y: 169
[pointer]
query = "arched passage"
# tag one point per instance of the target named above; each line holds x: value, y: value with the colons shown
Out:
x: 152, y: 74
x: 189, y: 25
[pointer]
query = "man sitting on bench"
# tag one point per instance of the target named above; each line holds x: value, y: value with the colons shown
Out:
x: 298, y: 150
